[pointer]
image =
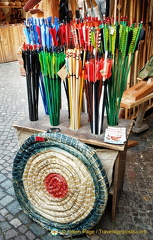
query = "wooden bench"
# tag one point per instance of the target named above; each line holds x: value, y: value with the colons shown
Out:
x: 136, y: 110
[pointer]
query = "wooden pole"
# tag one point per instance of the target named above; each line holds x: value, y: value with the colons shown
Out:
x: 134, y: 10
x: 119, y: 6
x: 137, y: 11
x: 135, y: 67
x: 124, y: 8
x: 131, y: 11
x: 146, y: 36
x: 130, y: 55
x: 115, y: 10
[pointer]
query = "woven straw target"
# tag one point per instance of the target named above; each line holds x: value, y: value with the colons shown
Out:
x: 60, y: 182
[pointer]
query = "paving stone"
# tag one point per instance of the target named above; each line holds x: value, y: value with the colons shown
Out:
x: 6, y: 164
x: 1, y: 167
x: 6, y: 184
x: 11, y: 234
x: 23, y: 229
x: 150, y: 214
x: 2, y: 219
x: 21, y: 237
x: 9, y: 217
x: 9, y: 175
x: 51, y: 237
x: 9, y: 168
x: 15, y: 222
x: 13, y: 207
x: 4, y: 171
x: 93, y: 237
x: 11, y: 191
x: 4, y: 212
x: 30, y: 235
x: 5, y: 226
x: 2, y: 176
x: 81, y: 238
x: 6, y: 200
x: 24, y: 218
x: 2, y: 194
x: 37, y: 229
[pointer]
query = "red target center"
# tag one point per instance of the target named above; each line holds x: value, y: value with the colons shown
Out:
x: 56, y: 185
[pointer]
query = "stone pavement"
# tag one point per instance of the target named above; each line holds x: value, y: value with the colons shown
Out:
x: 135, y: 208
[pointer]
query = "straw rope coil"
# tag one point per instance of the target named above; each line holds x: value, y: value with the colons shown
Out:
x: 60, y: 182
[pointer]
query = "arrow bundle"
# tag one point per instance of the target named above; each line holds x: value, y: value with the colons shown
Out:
x: 48, y: 32
x: 75, y: 86
x: 93, y: 47
x: 32, y: 69
x: 122, y: 41
x: 51, y: 63
x: 97, y: 71
x: 42, y: 31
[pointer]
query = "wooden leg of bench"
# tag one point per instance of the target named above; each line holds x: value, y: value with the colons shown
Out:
x: 139, y: 126
x: 126, y: 113
x: 119, y: 171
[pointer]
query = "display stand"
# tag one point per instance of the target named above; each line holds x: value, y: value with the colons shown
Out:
x: 26, y: 128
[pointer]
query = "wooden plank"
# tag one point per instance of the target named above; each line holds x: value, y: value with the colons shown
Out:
x: 82, y: 134
x: 128, y: 103
x: 139, y: 90
x: 131, y: 143
x: 1, y: 49
x: 11, y: 39
x: 4, y: 43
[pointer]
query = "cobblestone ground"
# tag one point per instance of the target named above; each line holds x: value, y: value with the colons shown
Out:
x: 135, y: 208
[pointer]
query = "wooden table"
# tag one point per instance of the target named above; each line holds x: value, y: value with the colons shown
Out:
x: 26, y: 128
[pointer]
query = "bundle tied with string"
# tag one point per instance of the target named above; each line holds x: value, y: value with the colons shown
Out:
x: 60, y: 183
